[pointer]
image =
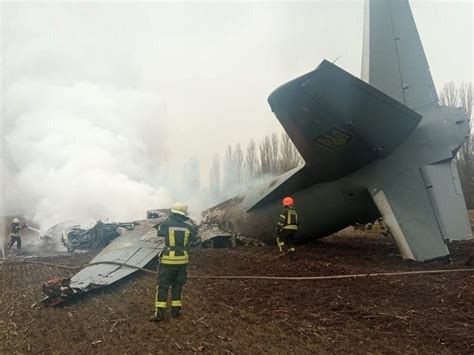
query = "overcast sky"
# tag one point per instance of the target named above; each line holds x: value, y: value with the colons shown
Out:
x: 213, y: 64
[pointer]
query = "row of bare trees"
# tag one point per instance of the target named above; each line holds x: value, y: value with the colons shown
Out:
x: 272, y: 156
x: 462, y: 96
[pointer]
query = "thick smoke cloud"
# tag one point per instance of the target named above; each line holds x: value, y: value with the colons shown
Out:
x: 82, y: 151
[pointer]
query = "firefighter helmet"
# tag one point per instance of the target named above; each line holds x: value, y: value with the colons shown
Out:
x: 179, y: 208
x: 16, y: 220
x: 288, y: 201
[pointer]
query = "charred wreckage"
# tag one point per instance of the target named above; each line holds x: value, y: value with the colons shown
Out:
x: 127, y: 247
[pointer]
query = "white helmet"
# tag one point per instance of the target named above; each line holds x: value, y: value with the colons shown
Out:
x: 16, y: 220
x: 180, y: 208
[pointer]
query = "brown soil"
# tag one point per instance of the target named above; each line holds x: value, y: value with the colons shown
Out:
x: 402, y: 314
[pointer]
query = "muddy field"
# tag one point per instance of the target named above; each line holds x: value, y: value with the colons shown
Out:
x: 402, y: 314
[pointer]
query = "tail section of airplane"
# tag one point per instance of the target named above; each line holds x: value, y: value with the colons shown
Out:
x: 393, y: 59
x: 423, y: 203
x: 385, y: 138
x: 342, y: 125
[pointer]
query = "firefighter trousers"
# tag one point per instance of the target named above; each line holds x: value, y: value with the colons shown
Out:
x: 174, y: 277
x: 13, y: 240
x: 288, y: 239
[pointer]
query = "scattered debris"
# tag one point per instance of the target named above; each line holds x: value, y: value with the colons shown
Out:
x: 212, y: 235
x: 97, y: 237
x: 248, y: 242
x: 157, y: 213
x: 128, y: 248
x: 56, y: 290
x: 382, y: 227
x: 135, y: 247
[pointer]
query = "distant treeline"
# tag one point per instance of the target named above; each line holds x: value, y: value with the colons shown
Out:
x: 451, y: 95
x: 273, y: 155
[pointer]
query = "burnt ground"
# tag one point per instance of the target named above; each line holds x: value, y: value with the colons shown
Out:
x: 401, y: 314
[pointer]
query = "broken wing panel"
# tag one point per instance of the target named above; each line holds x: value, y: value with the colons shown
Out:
x: 406, y: 208
x: 444, y: 189
x: 136, y: 247
x: 393, y: 58
x: 339, y: 123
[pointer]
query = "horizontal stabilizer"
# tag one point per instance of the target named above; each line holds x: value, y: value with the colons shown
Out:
x: 406, y: 208
x: 339, y: 123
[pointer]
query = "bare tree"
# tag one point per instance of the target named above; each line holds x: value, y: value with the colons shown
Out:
x: 463, y: 97
x: 275, y: 145
x: 215, y: 177
x: 251, y: 161
x: 238, y: 160
x: 466, y: 153
x: 265, y: 156
x: 191, y: 175
x: 290, y: 158
x: 466, y: 102
x: 229, y: 169
x: 449, y: 95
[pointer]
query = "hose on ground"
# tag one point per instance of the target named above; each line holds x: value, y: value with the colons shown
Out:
x: 256, y: 277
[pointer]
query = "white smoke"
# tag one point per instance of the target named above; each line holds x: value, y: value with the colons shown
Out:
x: 81, y: 151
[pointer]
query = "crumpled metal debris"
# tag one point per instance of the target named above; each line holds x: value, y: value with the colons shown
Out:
x: 157, y: 213
x: 212, y: 235
x: 129, y: 251
x: 97, y: 237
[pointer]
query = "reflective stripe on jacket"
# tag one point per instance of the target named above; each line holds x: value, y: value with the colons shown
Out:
x: 177, y: 234
x: 288, y: 219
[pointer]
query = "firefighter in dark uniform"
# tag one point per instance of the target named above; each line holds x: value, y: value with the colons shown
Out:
x: 178, y: 232
x: 287, y: 227
x: 15, y: 237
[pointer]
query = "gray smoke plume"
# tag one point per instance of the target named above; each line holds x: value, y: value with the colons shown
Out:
x: 81, y: 151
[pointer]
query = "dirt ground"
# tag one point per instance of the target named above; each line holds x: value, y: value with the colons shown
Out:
x: 402, y: 314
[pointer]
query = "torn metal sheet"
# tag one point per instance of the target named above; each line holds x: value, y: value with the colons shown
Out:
x: 136, y: 247
x: 212, y: 236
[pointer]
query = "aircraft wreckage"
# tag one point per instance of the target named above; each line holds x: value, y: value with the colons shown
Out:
x: 381, y: 146
x: 128, y: 248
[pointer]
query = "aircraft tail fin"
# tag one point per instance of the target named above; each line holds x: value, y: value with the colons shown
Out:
x: 447, y: 199
x: 393, y: 58
x: 424, y: 208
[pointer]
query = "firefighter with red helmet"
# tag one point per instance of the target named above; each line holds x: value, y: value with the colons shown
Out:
x: 287, y: 227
